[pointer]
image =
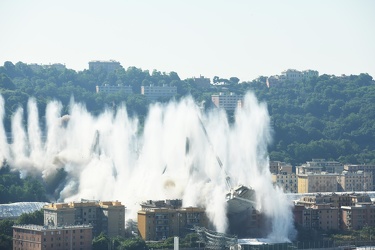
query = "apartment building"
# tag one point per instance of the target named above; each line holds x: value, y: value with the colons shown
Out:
x: 35, y: 237
x: 321, y: 217
x: 153, y: 93
x: 315, y: 182
x: 355, y: 181
x: 107, y: 66
x: 104, y: 216
x: 227, y: 101
x: 288, y: 182
x: 320, y: 165
x: 358, y: 216
x: 335, y: 211
x: 106, y: 88
x: 156, y: 222
x: 362, y: 167
x: 278, y: 167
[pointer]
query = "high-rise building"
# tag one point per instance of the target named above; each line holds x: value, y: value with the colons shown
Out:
x: 104, y: 216
x: 35, y: 237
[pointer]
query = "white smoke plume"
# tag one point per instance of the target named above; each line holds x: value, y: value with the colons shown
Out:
x: 108, y: 157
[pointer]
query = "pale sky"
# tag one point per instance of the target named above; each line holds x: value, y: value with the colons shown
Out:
x: 242, y: 38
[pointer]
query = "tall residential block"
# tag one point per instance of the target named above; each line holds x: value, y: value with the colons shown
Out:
x: 313, y: 183
x: 104, y: 216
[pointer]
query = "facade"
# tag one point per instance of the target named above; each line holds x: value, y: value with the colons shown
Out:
x: 358, y: 216
x: 288, y: 182
x: 107, y: 66
x: 335, y: 211
x: 155, y: 92
x: 227, y: 101
x: 159, y: 220
x: 35, y: 237
x: 321, y: 217
x: 202, y: 82
x: 364, y: 168
x: 313, y: 183
x: 161, y: 223
x: 278, y: 167
x: 104, y: 216
x: 114, y: 89
x: 292, y: 75
x: 355, y: 181
x: 320, y: 165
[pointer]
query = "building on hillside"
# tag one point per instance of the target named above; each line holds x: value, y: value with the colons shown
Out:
x: 229, y: 101
x: 362, y: 167
x: 107, y: 66
x: 320, y: 165
x: 291, y: 75
x: 334, y: 199
x: 104, y: 216
x: 202, y: 82
x: 286, y: 181
x: 153, y: 93
x: 355, y: 181
x: 158, y: 223
x: 278, y: 167
x: 35, y: 237
x: 106, y: 88
x: 14, y: 210
x: 314, y: 183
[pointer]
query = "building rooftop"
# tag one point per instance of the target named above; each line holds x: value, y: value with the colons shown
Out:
x: 49, y: 227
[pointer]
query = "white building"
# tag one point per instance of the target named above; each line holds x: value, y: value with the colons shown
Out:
x: 155, y: 92
x: 227, y: 101
x: 106, y: 88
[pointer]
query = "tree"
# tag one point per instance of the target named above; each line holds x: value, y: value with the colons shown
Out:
x: 100, y: 242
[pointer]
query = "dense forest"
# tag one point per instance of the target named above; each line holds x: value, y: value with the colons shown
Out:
x: 330, y: 117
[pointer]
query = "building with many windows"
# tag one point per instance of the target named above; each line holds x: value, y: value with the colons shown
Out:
x: 288, y: 182
x: 314, y: 182
x: 160, y: 220
x: 35, y: 237
x: 362, y: 167
x: 104, y: 216
x: 355, y: 181
x: 153, y: 93
x: 227, y: 101
x: 106, y: 88
x: 320, y: 165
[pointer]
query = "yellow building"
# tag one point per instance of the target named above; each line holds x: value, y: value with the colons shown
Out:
x: 314, y: 183
x: 161, y: 223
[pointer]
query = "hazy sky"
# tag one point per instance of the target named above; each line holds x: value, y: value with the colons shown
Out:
x: 241, y: 38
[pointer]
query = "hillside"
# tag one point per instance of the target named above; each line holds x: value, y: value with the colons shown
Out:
x: 323, y: 117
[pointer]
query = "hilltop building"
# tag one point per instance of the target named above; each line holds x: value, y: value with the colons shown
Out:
x: 104, y: 216
x: 202, y: 82
x: 107, y: 66
x: 162, y: 219
x: 155, y: 92
x: 320, y: 165
x: 35, y: 237
x: 227, y: 101
x: 106, y: 88
x: 291, y: 75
